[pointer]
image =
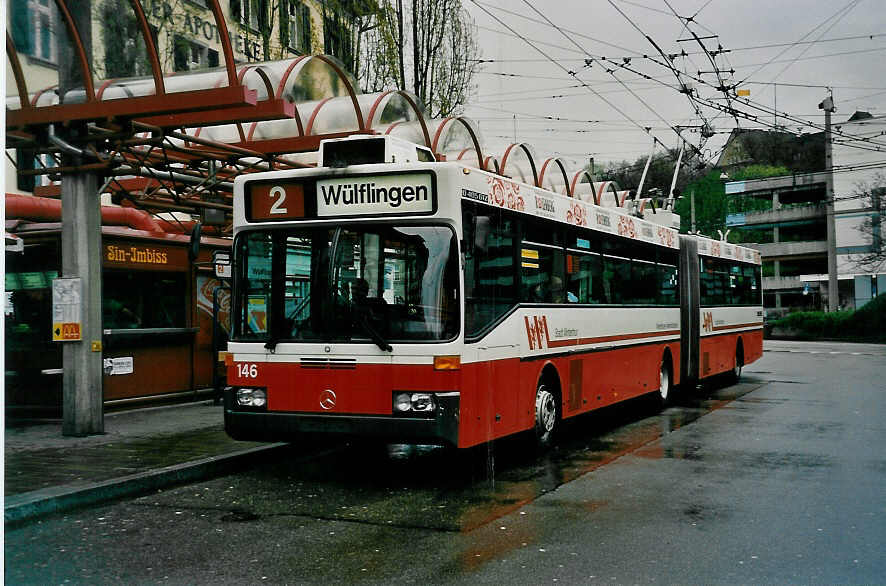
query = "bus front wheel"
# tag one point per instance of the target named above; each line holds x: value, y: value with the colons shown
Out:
x: 665, y: 383
x: 739, y: 363
x: 547, y: 414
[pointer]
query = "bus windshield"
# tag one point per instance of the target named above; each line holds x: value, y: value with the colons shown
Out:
x: 347, y: 283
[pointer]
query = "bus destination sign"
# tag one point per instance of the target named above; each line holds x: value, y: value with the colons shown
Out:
x: 375, y: 194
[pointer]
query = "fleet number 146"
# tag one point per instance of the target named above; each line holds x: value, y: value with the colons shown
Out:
x: 247, y: 370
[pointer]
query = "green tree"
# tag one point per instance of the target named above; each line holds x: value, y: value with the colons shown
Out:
x: 660, y: 174
x: 711, y: 202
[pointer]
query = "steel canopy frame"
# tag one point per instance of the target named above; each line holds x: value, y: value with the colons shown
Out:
x: 140, y: 142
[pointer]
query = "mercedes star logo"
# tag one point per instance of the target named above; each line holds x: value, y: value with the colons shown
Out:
x: 327, y: 399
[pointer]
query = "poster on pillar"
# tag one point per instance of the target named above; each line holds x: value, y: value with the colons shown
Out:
x: 66, y: 323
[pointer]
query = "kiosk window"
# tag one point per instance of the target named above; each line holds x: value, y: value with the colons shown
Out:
x: 143, y: 299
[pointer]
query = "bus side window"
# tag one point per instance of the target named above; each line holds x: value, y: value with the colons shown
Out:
x: 489, y: 270
x: 585, y: 272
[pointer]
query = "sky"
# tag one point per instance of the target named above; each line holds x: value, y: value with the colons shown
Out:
x: 787, y: 53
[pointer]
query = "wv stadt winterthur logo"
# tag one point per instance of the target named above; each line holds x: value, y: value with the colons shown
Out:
x: 537, y: 331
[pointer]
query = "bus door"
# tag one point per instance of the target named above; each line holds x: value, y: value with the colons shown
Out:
x: 689, y: 309
x: 490, y: 295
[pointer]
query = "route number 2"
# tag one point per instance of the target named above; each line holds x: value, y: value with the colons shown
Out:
x: 247, y: 370
x: 277, y: 206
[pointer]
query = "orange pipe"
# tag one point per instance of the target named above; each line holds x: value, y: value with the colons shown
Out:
x: 29, y: 207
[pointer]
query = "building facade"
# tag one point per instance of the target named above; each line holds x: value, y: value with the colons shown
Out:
x: 186, y: 36
x: 859, y: 194
x: 785, y: 219
x: 184, y: 31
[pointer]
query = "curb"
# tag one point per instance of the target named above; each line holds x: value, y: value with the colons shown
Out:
x: 28, y: 506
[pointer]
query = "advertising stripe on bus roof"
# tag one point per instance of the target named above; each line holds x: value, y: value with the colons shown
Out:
x: 504, y: 193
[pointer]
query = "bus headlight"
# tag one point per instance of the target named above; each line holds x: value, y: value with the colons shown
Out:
x: 406, y: 403
x: 247, y: 397
x: 402, y: 402
x: 423, y: 402
x: 259, y: 398
x: 244, y: 397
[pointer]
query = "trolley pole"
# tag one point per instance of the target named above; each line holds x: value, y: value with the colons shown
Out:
x: 82, y: 408
x: 645, y: 170
x: 833, y: 292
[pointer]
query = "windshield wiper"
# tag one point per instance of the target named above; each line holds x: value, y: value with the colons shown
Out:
x: 373, y: 333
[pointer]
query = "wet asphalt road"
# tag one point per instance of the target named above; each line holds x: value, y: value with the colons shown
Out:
x: 778, y: 479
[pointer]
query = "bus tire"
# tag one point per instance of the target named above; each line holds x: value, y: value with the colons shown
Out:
x: 735, y: 374
x: 665, y: 393
x: 547, y: 414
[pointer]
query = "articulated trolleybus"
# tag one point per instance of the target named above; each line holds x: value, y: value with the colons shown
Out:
x: 383, y: 294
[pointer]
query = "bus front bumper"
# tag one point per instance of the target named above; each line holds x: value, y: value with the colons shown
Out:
x: 252, y: 425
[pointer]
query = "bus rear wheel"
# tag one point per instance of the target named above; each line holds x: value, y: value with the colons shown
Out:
x: 547, y: 415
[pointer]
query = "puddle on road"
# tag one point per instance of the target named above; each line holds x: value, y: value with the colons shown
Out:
x: 437, y: 489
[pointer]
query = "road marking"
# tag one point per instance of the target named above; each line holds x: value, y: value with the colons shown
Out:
x: 836, y: 353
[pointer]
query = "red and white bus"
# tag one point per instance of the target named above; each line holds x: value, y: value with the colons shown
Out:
x: 431, y: 302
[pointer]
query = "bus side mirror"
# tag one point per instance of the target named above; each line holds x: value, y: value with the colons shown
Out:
x: 194, y: 248
x: 476, y: 231
x: 467, y: 242
x: 482, y: 227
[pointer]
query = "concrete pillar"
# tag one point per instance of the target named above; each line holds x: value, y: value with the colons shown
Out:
x: 834, y: 299
x: 776, y: 205
x: 82, y: 407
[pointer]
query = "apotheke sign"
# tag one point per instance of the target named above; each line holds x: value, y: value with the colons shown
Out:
x: 203, y: 29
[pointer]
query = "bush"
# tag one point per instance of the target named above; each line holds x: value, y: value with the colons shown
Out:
x: 867, y: 324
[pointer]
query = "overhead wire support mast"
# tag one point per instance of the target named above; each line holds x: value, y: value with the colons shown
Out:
x: 569, y: 72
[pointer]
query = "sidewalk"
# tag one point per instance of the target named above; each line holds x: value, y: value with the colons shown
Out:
x: 140, y: 451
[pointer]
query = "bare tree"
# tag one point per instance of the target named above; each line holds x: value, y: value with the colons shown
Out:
x: 873, y: 194
x: 426, y: 46
x: 380, y: 64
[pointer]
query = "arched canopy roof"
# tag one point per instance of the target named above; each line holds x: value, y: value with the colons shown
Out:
x: 316, y: 87
x: 606, y: 193
x: 409, y: 131
x: 581, y: 186
x: 553, y: 177
x: 450, y: 136
x: 395, y: 107
x: 323, y: 94
x: 518, y: 162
